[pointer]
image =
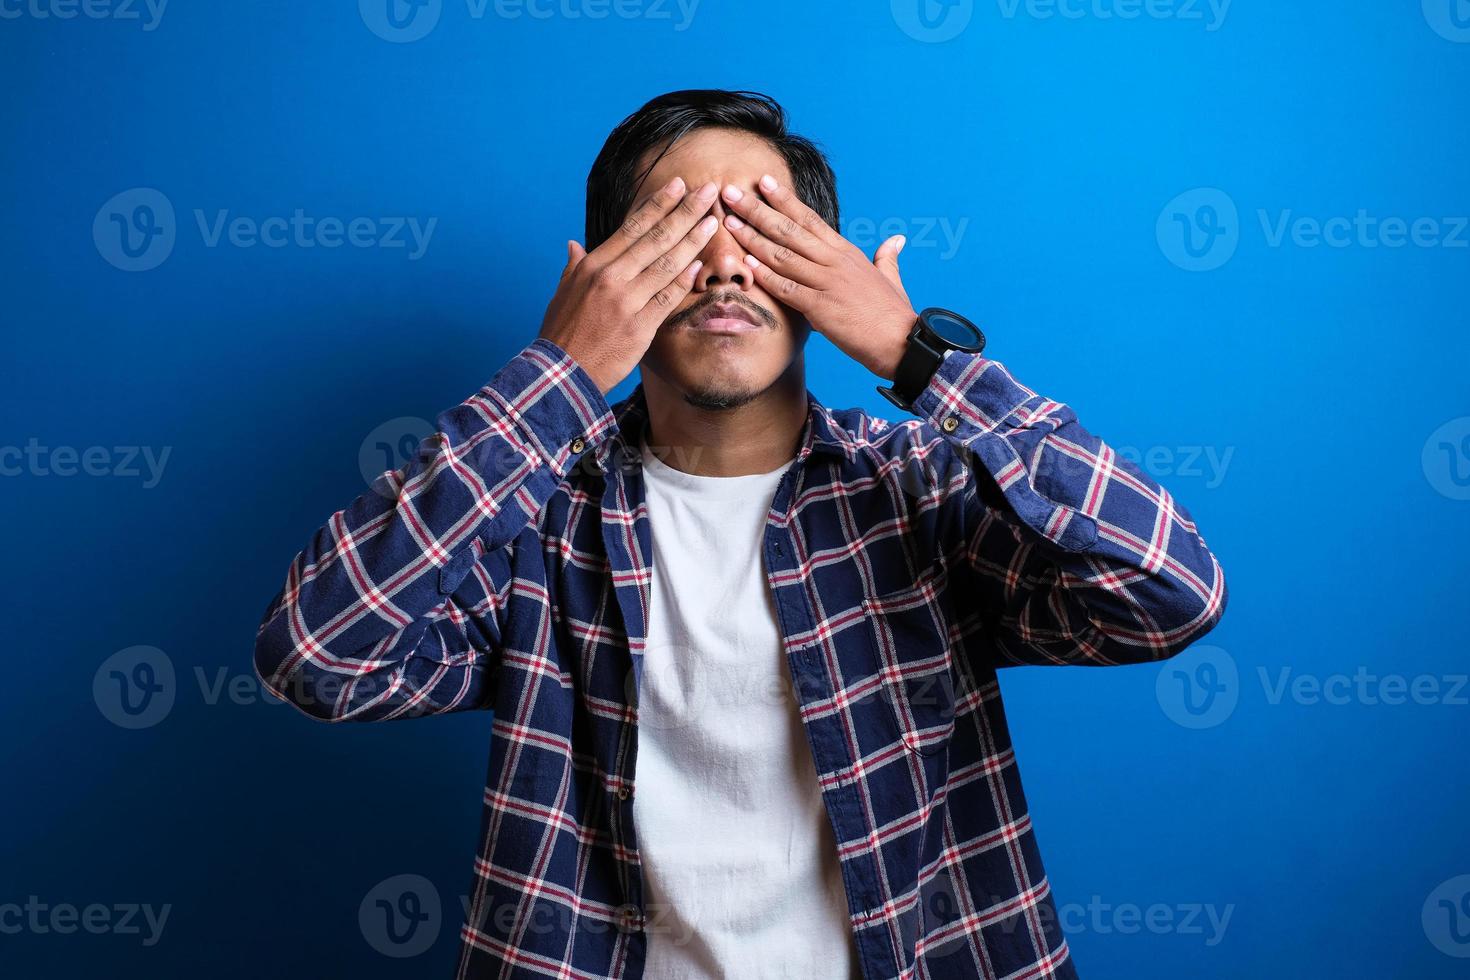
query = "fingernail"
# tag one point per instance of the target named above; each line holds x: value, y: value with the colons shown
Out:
x: 733, y: 193
x: 902, y: 241
x: 768, y: 183
x: 676, y: 186
x: 733, y: 223
x: 752, y: 261
x: 708, y: 191
x: 708, y: 225
x: 698, y: 264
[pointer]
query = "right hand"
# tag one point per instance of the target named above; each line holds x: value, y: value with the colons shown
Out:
x: 611, y: 301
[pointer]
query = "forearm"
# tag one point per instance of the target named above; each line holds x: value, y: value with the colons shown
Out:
x: 363, y: 626
x: 1095, y: 561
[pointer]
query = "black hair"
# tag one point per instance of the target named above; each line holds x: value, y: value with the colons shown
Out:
x: 614, y: 179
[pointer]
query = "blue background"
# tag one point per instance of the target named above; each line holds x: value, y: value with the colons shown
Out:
x: 1055, y: 144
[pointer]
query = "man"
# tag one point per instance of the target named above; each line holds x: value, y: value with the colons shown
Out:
x: 741, y: 649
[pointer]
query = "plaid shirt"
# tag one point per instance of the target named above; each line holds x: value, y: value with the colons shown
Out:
x: 506, y: 567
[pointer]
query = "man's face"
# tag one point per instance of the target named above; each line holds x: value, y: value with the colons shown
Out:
x: 729, y: 340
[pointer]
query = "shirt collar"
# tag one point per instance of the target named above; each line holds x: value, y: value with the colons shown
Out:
x: 821, y: 436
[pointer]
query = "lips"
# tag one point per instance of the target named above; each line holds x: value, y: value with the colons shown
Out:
x: 726, y: 318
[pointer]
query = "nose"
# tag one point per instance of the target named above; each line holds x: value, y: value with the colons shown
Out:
x: 724, y: 259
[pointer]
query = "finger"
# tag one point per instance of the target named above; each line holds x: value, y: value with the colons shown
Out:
x: 676, y: 260
x: 666, y: 300
x: 800, y: 298
x: 783, y: 258
x: 782, y: 228
x: 575, y: 254
x: 637, y: 224
x: 886, y: 260
x: 664, y: 235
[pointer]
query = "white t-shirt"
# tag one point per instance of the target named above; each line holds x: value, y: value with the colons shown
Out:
x: 739, y: 862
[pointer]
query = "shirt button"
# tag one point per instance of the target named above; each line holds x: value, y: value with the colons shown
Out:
x: 950, y: 424
x: 627, y: 918
x: 578, y: 444
x: 624, y: 792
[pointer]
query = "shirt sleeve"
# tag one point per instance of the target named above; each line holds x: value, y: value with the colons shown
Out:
x: 1074, y: 554
x: 366, y: 627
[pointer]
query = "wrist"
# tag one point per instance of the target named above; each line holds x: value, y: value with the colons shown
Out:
x: 900, y: 330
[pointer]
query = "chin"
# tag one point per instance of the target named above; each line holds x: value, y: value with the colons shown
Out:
x: 719, y: 397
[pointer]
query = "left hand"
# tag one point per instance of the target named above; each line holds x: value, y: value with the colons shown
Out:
x: 859, y: 305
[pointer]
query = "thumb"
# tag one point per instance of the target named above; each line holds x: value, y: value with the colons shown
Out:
x: 575, y: 254
x: 886, y: 261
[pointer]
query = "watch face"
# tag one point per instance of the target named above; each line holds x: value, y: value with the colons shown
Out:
x: 953, y: 329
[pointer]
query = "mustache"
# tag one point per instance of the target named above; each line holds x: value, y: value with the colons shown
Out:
x: 730, y: 297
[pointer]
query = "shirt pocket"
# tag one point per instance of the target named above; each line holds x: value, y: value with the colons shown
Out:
x: 910, y: 632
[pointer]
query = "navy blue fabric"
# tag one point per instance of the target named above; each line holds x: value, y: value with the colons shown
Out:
x: 506, y: 567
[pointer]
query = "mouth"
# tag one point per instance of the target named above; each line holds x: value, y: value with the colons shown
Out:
x: 725, y: 318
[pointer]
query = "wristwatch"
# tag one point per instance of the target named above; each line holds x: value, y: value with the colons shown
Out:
x: 935, y: 333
